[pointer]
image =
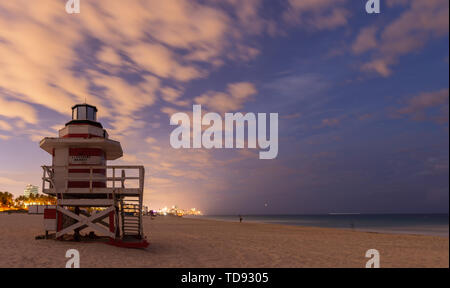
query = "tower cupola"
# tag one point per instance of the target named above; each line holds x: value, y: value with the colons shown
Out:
x: 84, y: 113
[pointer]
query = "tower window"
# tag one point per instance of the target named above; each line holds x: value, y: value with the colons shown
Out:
x: 90, y: 113
x: 81, y: 114
x: 84, y: 112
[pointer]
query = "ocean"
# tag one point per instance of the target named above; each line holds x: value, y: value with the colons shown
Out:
x: 423, y: 224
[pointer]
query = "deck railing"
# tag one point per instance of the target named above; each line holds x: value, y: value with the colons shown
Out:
x: 117, y: 175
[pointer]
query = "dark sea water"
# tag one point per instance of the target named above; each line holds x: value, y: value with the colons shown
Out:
x: 423, y: 224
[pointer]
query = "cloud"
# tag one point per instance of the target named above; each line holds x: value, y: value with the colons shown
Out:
x: 150, y: 140
x: 317, y: 14
x: 126, y: 97
x: 5, y: 126
x: 421, y: 106
x: 248, y: 15
x: 366, y: 40
x: 331, y: 122
x: 34, y: 65
x: 232, y: 100
x: 173, y: 96
x: 109, y: 56
x: 118, y: 55
x: 381, y: 66
x: 291, y: 116
x: 129, y: 57
x: 161, y: 181
x: 16, y: 109
x: 294, y: 88
x: 161, y: 61
x: 365, y: 116
x: 423, y: 20
x: 34, y: 134
x: 4, y: 137
x: 130, y: 159
x: 114, y: 54
x: 11, y: 182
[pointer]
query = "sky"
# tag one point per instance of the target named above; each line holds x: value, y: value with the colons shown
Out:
x: 363, y: 99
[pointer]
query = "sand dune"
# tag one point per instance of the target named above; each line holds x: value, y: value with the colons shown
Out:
x: 178, y: 242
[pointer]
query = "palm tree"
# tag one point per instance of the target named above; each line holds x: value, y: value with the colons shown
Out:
x: 6, y: 199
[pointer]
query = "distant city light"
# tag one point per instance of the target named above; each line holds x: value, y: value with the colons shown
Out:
x: 174, y: 210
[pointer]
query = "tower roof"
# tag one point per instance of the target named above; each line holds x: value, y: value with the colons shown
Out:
x: 85, y: 104
x: 84, y: 114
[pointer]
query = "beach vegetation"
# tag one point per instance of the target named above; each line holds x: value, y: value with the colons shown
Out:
x: 8, y: 202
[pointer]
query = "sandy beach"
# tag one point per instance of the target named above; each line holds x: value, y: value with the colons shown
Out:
x: 180, y: 242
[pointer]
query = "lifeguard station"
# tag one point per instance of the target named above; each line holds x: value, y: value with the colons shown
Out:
x: 90, y: 193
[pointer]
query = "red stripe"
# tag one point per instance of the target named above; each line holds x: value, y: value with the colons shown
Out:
x: 95, y: 171
x: 84, y: 165
x: 111, y: 221
x: 85, y: 184
x: 86, y: 152
x: 60, y: 221
x: 49, y: 213
x: 81, y: 135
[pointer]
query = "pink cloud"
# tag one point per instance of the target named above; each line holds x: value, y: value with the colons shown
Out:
x: 317, y: 14
x: 168, y: 39
x: 331, y: 122
x: 418, y: 106
x: 422, y: 21
x: 232, y: 100
x: 366, y: 40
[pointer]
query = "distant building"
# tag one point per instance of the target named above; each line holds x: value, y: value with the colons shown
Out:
x: 30, y: 190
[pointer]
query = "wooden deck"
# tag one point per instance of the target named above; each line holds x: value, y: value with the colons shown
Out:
x: 95, y: 191
x: 120, y: 197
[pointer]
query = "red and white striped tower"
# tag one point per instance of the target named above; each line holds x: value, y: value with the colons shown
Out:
x: 79, y: 178
x: 82, y: 143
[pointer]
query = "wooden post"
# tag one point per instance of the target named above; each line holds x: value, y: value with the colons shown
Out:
x: 114, y: 177
x: 67, y: 178
x: 141, y: 196
x: 43, y: 180
x: 123, y: 178
x: 112, y: 223
x: 90, y: 179
x: 76, y: 235
x: 59, y: 221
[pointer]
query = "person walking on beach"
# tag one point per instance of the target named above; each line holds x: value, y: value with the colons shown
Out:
x: 240, y: 219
